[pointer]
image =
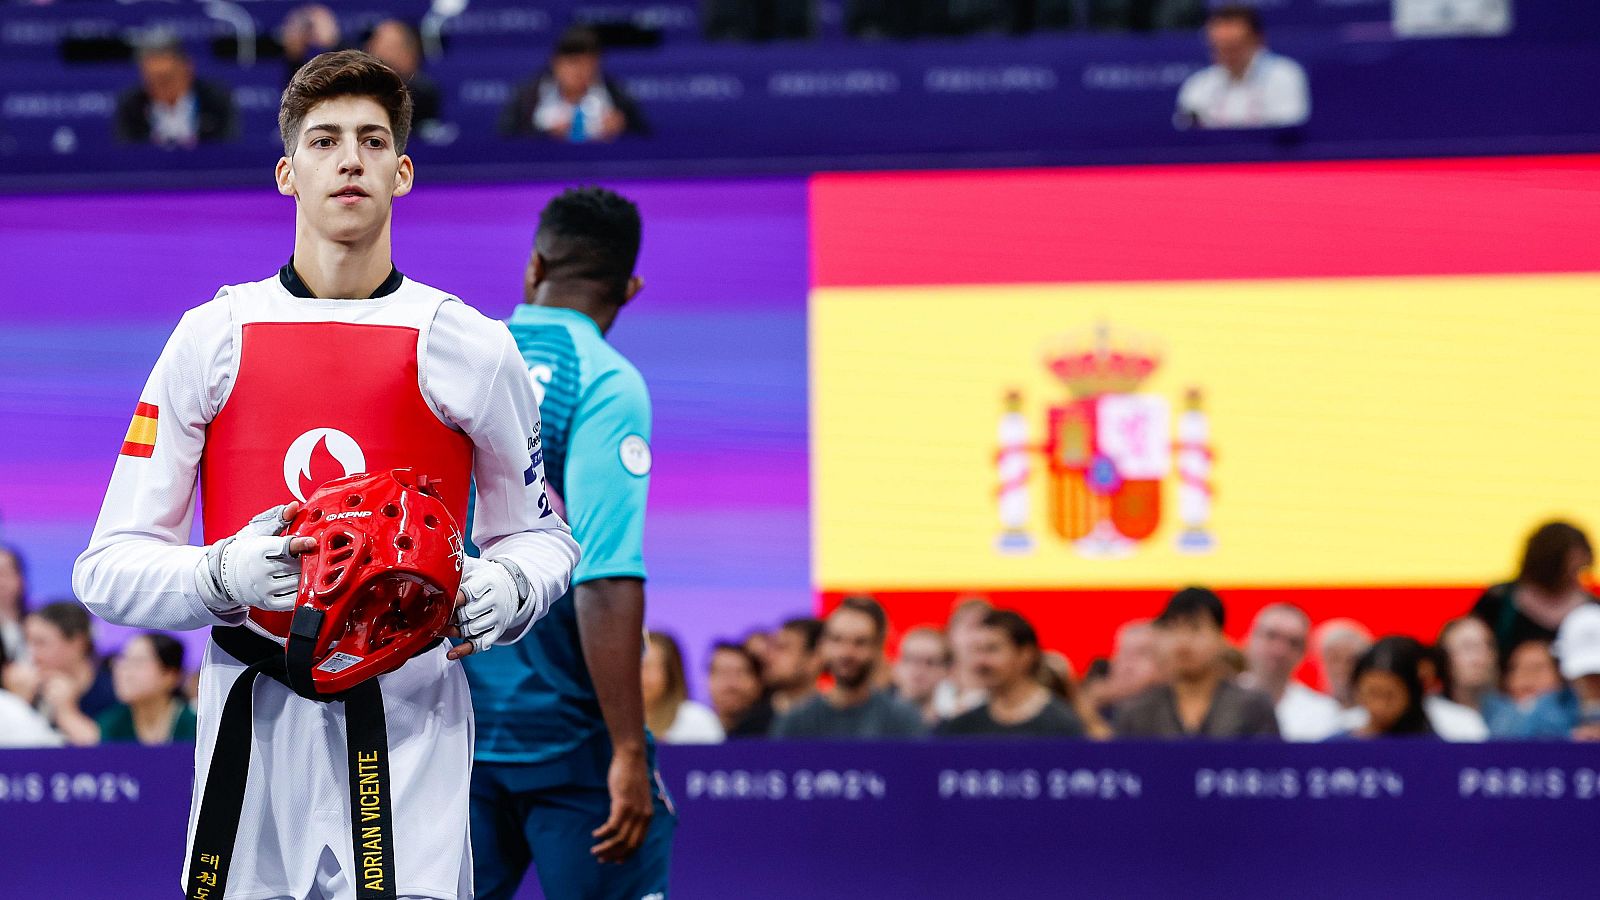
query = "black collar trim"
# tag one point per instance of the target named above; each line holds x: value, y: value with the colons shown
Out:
x: 293, y: 284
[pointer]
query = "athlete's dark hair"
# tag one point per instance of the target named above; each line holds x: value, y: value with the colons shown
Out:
x: 590, y: 234
x: 1192, y: 604
x: 344, y: 73
x: 808, y: 628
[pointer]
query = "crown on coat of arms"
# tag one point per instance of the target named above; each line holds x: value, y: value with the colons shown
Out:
x: 1102, y: 362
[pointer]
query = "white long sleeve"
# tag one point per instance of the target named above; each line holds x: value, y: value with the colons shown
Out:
x: 139, y: 568
x: 494, y: 405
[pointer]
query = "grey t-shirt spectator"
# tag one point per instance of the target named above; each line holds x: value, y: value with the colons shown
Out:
x: 881, y: 716
x: 1235, y: 712
x: 1056, y: 719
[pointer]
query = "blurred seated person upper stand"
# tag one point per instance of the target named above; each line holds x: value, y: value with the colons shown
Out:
x: 1389, y: 693
x: 1274, y: 649
x: 307, y: 31
x: 1336, y: 644
x: 13, y: 605
x: 1572, y: 712
x: 1248, y: 86
x: 1471, y: 677
x: 1549, y: 585
x: 573, y: 100
x: 152, y: 708
x: 921, y: 665
x: 170, y: 107
x: 1017, y: 705
x: 63, y: 680
x: 1531, y: 673
x: 738, y: 696
x: 793, y: 663
x: 1200, y: 701
x: 1447, y: 719
x: 962, y: 688
x: 852, y: 645
x: 669, y: 713
x: 399, y: 46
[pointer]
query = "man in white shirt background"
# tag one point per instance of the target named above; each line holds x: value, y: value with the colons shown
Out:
x: 1274, y: 649
x: 1247, y: 85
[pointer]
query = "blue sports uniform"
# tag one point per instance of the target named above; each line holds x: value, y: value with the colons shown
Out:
x: 542, y: 751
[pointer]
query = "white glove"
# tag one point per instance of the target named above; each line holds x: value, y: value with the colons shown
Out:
x: 498, y: 600
x: 252, y: 568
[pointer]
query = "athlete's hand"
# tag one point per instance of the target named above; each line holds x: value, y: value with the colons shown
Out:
x: 257, y: 567
x: 631, y: 807
x: 492, y: 598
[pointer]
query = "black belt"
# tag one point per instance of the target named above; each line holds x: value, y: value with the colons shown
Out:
x: 367, y: 740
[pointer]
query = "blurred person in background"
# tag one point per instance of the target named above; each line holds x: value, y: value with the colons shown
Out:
x: 923, y: 662
x: 669, y: 713
x: 1276, y: 646
x: 1571, y: 712
x: 398, y: 44
x: 64, y: 679
x: 962, y: 689
x: 152, y: 708
x: 852, y: 643
x: 1389, y: 693
x: 793, y: 663
x: 1134, y: 667
x: 22, y: 727
x: 1549, y: 585
x: 13, y: 605
x: 1450, y: 719
x: 1018, y: 704
x: 170, y: 107
x: 307, y: 31
x: 1199, y: 701
x: 738, y: 696
x: 573, y: 100
x: 1247, y: 85
x: 1471, y: 677
x: 1531, y: 673
x: 1338, y: 643
x: 758, y: 642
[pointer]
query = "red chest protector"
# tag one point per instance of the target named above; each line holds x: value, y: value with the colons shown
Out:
x: 315, y: 401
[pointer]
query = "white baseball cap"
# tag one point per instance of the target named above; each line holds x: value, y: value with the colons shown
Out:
x: 1578, y: 642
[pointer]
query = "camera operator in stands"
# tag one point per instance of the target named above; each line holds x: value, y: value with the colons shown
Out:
x: 170, y: 107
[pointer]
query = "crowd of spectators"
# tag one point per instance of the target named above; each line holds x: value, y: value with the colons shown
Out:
x: 1523, y: 663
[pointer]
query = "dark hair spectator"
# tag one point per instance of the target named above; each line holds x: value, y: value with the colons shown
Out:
x: 63, y: 678
x: 13, y: 605
x: 573, y: 100
x: 1247, y: 85
x: 153, y: 709
x: 396, y: 44
x: 1387, y: 682
x: 1548, y: 586
x: 1017, y: 704
x: 308, y: 31
x: 793, y: 663
x: 962, y: 689
x: 170, y: 107
x: 852, y: 651
x: 1531, y: 672
x: 669, y: 713
x: 738, y: 695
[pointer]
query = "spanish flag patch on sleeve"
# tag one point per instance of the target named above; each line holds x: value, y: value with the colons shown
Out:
x: 141, y: 439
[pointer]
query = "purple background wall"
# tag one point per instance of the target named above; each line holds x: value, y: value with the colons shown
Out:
x: 91, y: 285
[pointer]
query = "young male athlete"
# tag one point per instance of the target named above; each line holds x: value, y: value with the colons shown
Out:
x: 336, y: 364
x: 565, y: 773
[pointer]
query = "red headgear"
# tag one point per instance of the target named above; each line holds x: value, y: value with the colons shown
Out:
x: 380, y: 587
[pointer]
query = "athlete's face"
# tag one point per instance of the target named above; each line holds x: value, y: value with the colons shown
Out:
x: 344, y: 173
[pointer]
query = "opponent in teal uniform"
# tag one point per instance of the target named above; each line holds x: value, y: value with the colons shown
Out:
x: 564, y: 773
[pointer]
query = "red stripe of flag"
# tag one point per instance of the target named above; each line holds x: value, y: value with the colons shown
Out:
x: 148, y: 410
x: 129, y: 448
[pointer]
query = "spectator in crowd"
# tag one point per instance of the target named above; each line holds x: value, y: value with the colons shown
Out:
x: 1273, y: 651
x: 668, y: 712
x: 793, y: 663
x: 758, y: 643
x: 1248, y: 86
x: 307, y: 31
x: 737, y: 695
x: 1199, y: 701
x: 148, y: 675
x: 852, y: 643
x: 1134, y: 667
x: 1018, y: 705
x: 21, y: 726
x: 963, y: 688
x: 1471, y: 677
x: 1549, y: 585
x: 399, y: 46
x: 1450, y: 720
x: 1338, y: 644
x: 1388, y: 690
x: 13, y: 605
x: 1531, y: 673
x: 573, y: 100
x: 923, y: 662
x: 1572, y: 712
x: 170, y: 107
x: 63, y: 680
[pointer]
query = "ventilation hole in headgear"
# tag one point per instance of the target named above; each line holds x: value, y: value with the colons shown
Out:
x: 403, y: 542
x: 339, y: 541
x: 353, y: 500
x: 390, y: 510
x: 430, y: 521
x: 333, y: 575
x: 316, y: 514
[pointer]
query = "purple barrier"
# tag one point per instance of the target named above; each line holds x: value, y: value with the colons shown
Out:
x: 964, y: 820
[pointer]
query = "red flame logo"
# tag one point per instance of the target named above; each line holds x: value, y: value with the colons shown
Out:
x: 322, y: 467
